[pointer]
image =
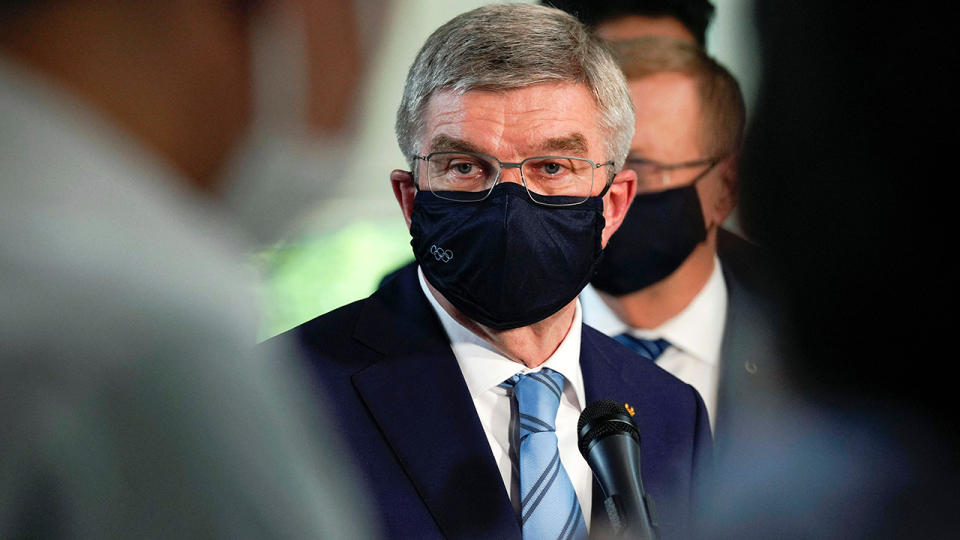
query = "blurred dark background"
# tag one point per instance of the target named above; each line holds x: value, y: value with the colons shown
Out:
x: 848, y: 177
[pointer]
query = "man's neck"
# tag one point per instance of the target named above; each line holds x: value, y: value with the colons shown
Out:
x: 529, y: 345
x: 660, y: 302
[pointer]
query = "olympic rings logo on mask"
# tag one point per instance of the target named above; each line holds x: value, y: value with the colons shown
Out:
x: 440, y: 254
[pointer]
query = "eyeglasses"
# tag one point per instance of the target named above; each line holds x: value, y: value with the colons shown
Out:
x: 470, y: 177
x: 654, y: 176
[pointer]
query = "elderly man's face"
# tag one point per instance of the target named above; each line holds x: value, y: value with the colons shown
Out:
x: 543, y: 119
x: 514, y: 260
x: 669, y: 130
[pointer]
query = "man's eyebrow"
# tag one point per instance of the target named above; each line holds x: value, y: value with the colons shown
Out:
x: 575, y: 144
x: 445, y: 143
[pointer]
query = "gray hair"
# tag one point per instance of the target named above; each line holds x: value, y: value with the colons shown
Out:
x: 510, y: 46
x: 723, y: 113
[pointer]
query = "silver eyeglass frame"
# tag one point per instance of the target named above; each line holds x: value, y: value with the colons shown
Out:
x: 666, y: 168
x: 517, y: 165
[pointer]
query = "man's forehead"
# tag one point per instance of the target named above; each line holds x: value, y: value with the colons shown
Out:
x: 548, y: 96
x: 639, y: 26
x: 573, y: 143
x: 560, y: 117
x: 668, y: 116
x: 664, y: 90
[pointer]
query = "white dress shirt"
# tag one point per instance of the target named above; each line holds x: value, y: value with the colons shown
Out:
x: 484, y: 368
x: 695, y: 335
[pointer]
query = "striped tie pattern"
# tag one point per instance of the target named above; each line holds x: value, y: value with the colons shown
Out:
x: 548, y: 503
x: 651, y: 349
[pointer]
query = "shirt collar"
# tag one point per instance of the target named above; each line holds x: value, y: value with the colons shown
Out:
x: 694, y: 330
x: 484, y: 368
x: 598, y: 315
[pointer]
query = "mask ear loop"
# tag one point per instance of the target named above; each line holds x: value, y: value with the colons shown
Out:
x: 415, y: 170
x: 712, y: 225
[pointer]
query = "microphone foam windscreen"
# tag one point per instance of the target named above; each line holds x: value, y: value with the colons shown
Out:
x: 601, y: 419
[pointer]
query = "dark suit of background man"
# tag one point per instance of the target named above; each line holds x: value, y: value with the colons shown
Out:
x: 671, y: 272
x: 415, y: 369
x: 132, y: 404
x: 615, y: 20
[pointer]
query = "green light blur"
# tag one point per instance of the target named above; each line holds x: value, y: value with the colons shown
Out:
x: 318, y: 273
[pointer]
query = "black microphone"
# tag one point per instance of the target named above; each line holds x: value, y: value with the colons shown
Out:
x: 610, y: 443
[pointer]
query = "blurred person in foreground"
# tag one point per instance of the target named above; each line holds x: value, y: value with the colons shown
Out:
x: 846, y: 172
x: 132, y: 404
x: 673, y: 284
x: 616, y: 20
x: 516, y: 122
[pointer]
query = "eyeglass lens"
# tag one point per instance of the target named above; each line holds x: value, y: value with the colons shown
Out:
x: 472, y: 176
x: 652, y: 176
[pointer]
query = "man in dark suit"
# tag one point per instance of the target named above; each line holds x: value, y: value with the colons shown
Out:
x: 516, y: 122
x: 673, y: 284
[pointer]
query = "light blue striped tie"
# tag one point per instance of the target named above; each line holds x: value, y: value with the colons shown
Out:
x: 548, y: 503
x: 651, y: 349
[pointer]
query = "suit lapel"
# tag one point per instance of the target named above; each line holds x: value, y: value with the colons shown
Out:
x: 420, y: 402
x: 750, y: 350
x: 604, y: 378
x: 748, y: 316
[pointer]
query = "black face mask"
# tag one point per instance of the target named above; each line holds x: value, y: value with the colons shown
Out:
x: 506, y: 261
x: 657, y: 235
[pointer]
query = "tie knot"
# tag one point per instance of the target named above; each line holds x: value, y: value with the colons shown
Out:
x: 538, y: 398
x: 651, y: 349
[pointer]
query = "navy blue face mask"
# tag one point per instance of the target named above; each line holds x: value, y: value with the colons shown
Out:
x: 506, y: 261
x: 659, y: 233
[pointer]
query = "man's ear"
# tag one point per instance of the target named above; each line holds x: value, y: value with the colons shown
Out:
x: 617, y: 201
x: 404, y: 191
x: 726, y: 200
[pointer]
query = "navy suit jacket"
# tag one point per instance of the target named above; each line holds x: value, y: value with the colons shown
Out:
x: 385, y: 367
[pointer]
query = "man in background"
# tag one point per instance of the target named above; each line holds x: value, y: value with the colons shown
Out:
x: 132, y: 403
x: 685, y: 20
x: 673, y: 284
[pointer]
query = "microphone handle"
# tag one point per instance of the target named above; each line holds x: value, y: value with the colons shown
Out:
x: 623, y: 491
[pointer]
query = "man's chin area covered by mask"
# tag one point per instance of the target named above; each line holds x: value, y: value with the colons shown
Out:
x: 551, y: 329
